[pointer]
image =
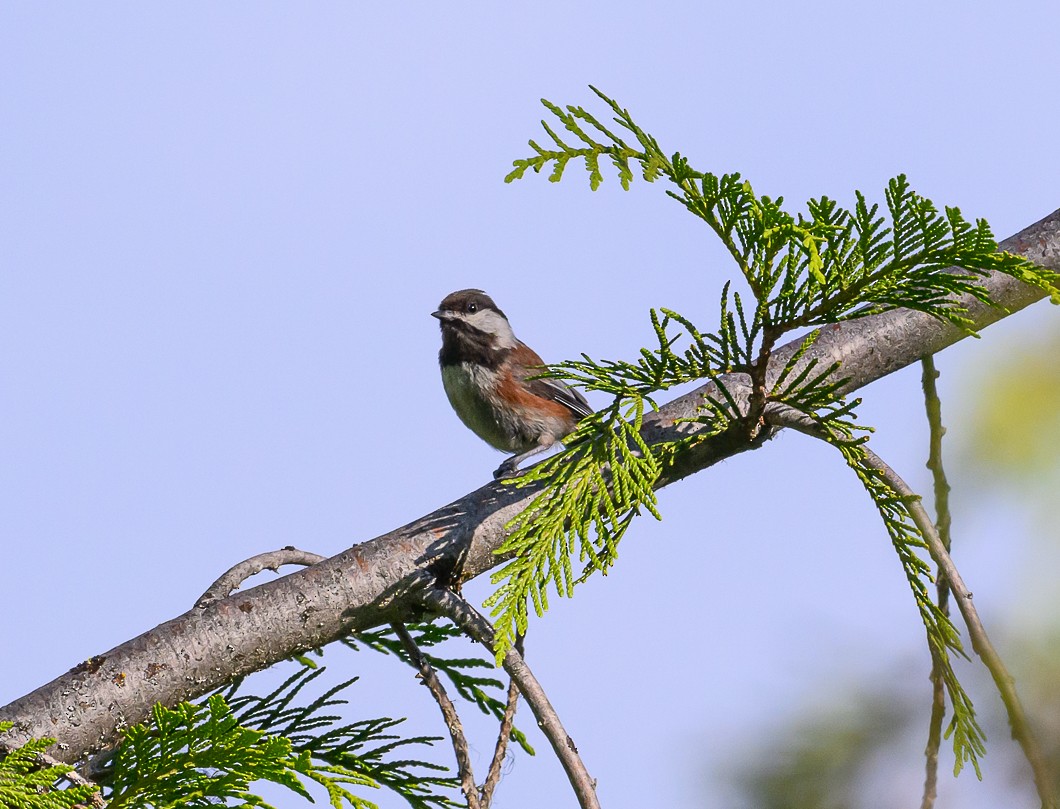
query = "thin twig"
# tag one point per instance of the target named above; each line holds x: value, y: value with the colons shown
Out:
x: 933, y: 405
x: 493, y: 777
x: 237, y: 574
x: 788, y: 417
x: 934, y: 742
x: 468, y: 618
x: 452, y: 718
x: 75, y: 778
x: 938, y: 475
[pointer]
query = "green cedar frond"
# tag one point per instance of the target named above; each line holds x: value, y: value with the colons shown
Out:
x: 825, y: 266
x: 918, y: 259
x: 359, y: 751
x: 210, y: 753
x: 969, y: 741
x: 707, y: 356
x: 27, y: 783
x: 792, y: 363
x: 199, y: 755
x: 605, y: 478
x: 608, y: 474
x: 817, y: 398
x: 834, y: 265
x: 590, y: 152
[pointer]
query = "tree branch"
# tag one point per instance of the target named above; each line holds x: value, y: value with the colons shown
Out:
x: 457, y: 610
x: 942, y: 522
x: 452, y: 718
x: 375, y: 582
x: 493, y: 777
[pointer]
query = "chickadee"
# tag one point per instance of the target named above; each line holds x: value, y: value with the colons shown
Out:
x: 486, y: 370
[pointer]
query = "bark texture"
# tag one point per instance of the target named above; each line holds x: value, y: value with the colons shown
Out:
x: 375, y: 582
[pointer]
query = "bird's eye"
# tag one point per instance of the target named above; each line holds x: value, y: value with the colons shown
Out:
x: 472, y: 307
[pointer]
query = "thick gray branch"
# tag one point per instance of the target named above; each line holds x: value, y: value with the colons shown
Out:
x: 370, y: 583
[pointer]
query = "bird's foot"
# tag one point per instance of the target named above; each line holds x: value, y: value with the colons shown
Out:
x: 508, y: 469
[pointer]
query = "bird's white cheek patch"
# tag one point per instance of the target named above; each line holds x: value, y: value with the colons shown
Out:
x: 489, y: 322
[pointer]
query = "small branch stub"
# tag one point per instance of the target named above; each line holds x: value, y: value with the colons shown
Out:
x: 271, y: 560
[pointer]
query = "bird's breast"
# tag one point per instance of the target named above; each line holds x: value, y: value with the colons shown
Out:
x: 471, y: 389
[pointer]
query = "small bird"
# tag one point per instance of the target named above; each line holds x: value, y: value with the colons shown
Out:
x: 486, y: 370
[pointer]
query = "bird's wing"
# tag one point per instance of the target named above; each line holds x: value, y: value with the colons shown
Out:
x: 552, y: 389
x: 557, y: 391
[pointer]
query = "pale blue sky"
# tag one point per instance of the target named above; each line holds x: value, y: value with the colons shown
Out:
x: 223, y: 228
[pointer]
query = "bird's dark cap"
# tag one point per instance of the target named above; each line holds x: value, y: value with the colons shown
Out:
x: 466, y: 301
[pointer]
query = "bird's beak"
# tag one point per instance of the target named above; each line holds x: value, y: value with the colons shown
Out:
x: 441, y: 315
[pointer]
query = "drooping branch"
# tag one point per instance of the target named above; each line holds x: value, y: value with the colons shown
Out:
x: 500, y: 750
x: 933, y: 405
x: 1006, y: 685
x: 374, y: 582
x: 452, y: 719
x: 457, y: 610
x: 981, y: 643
